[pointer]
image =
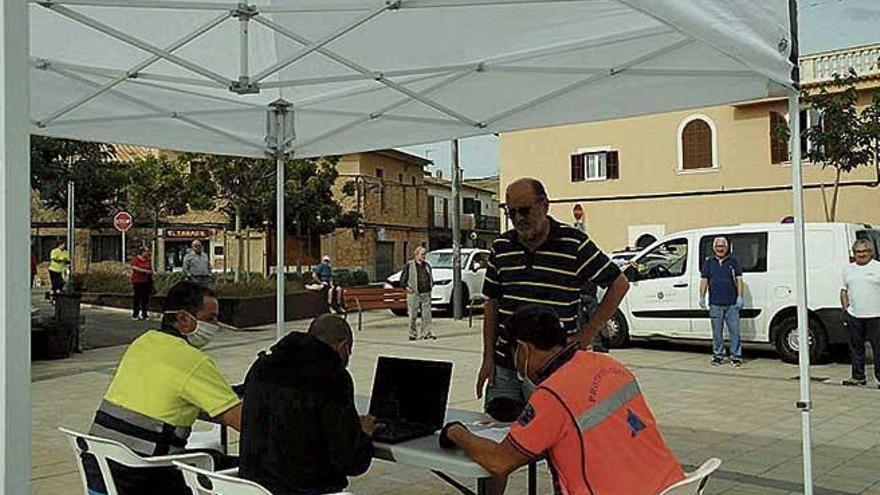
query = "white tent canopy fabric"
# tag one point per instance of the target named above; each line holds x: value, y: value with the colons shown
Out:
x: 371, y: 74
x: 356, y: 75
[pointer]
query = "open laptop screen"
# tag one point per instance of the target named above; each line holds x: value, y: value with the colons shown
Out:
x: 411, y: 391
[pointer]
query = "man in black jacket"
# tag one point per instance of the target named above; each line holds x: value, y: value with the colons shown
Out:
x: 301, y: 433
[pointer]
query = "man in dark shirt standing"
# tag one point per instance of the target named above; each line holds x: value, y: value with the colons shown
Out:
x: 416, y: 278
x: 301, y: 433
x: 540, y: 261
x: 721, y: 275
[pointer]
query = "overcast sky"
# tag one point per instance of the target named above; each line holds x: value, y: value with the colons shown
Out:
x: 824, y: 25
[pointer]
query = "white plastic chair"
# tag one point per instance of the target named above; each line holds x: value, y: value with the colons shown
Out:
x: 103, y: 450
x: 694, y: 482
x: 210, y: 439
x: 206, y: 482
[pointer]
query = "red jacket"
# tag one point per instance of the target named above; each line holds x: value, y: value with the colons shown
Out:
x: 141, y: 277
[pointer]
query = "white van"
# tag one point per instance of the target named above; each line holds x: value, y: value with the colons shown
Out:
x: 663, y: 300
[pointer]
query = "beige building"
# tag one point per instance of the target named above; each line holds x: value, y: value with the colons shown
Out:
x: 479, y: 211
x: 393, y: 202
x: 641, y: 178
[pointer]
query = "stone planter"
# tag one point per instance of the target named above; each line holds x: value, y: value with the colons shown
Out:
x: 239, y: 312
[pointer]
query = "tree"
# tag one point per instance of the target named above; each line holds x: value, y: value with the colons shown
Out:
x: 311, y: 207
x: 241, y: 191
x: 97, y: 177
x: 163, y: 185
x: 842, y: 137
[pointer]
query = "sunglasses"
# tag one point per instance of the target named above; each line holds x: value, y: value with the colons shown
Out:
x: 522, y: 211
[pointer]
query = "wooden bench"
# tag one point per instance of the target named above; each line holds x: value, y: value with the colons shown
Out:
x: 367, y: 298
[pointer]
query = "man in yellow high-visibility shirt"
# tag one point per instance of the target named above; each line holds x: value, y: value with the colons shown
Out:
x: 59, y: 261
x: 163, y: 382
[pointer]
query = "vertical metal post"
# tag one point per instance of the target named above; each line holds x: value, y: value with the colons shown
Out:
x: 243, y: 22
x: 238, y: 244
x: 71, y: 227
x: 15, y: 330
x: 804, y: 404
x: 456, y: 233
x: 279, y: 138
x: 123, y: 246
x: 280, y: 263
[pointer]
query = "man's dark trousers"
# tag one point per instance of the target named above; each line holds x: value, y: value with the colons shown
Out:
x: 860, y: 331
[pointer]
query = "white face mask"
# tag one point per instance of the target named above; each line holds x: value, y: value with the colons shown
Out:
x: 202, y: 334
x: 528, y: 385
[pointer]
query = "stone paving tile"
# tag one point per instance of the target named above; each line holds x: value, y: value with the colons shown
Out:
x: 744, y: 416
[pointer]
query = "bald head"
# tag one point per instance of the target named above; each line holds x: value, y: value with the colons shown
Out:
x: 335, y: 332
x: 528, y: 185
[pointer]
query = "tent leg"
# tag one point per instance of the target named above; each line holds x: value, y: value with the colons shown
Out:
x: 279, y: 243
x: 456, y: 233
x: 15, y: 354
x: 804, y: 404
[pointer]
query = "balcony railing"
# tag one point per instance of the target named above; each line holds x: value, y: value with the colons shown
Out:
x: 822, y: 66
x: 469, y: 221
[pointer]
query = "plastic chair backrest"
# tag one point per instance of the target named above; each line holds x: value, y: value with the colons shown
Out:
x: 694, y: 482
x: 103, y: 450
x: 206, y: 482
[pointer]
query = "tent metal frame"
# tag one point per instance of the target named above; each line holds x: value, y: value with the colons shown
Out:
x: 414, y: 86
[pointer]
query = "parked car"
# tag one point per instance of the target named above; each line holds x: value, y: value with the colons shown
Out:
x: 621, y: 258
x: 473, y: 271
x: 663, y: 299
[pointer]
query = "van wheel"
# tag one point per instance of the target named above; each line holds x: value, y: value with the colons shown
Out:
x: 786, y: 340
x: 616, y: 331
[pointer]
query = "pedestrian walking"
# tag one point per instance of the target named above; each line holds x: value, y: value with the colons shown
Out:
x: 59, y: 261
x: 197, y: 265
x: 418, y: 281
x: 860, y: 301
x: 721, y: 276
x: 142, y: 283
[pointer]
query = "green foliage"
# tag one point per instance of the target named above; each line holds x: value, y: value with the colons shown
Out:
x: 97, y: 176
x: 360, y: 277
x: 164, y: 185
x: 309, y: 201
x: 844, y: 139
x: 836, y: 141
x: 242, y: 184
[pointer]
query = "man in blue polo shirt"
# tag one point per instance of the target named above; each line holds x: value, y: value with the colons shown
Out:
x: 721, y: 275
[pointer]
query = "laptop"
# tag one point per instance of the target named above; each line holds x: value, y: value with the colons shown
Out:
x: 409, y: 398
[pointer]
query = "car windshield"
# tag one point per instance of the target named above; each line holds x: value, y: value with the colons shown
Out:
x: 439, y: 259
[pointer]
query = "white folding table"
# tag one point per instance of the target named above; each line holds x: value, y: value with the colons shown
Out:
x: 426, y: 453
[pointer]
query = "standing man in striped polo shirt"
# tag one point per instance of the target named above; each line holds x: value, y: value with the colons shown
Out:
x: 540, y: 261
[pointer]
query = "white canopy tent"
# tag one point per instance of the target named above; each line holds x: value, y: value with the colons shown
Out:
x: 313, y: 77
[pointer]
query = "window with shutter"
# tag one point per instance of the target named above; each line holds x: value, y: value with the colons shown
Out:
x: 577, y: 167
x: 613, y: 165
x: 778, y: 146
x: 696, y: 145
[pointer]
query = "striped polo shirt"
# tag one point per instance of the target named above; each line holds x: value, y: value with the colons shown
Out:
x: 553, y: 275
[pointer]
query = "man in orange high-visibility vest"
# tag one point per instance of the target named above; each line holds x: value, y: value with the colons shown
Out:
x: 586, y: 415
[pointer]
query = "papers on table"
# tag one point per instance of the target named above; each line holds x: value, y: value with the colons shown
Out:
x: 491, y: 430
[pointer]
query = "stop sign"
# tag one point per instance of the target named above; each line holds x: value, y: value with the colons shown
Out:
x: 122, y: 221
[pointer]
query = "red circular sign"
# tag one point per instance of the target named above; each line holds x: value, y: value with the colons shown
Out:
x: 122, y: 221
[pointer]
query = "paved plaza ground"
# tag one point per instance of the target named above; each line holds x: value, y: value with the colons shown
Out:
x: 745, y: 416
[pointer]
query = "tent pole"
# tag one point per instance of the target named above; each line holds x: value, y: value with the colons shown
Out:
x: 804, y: 404
x: 279, y: 138
x: 456, y: 233
x: 279, y: 242
x: 15, y: 343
